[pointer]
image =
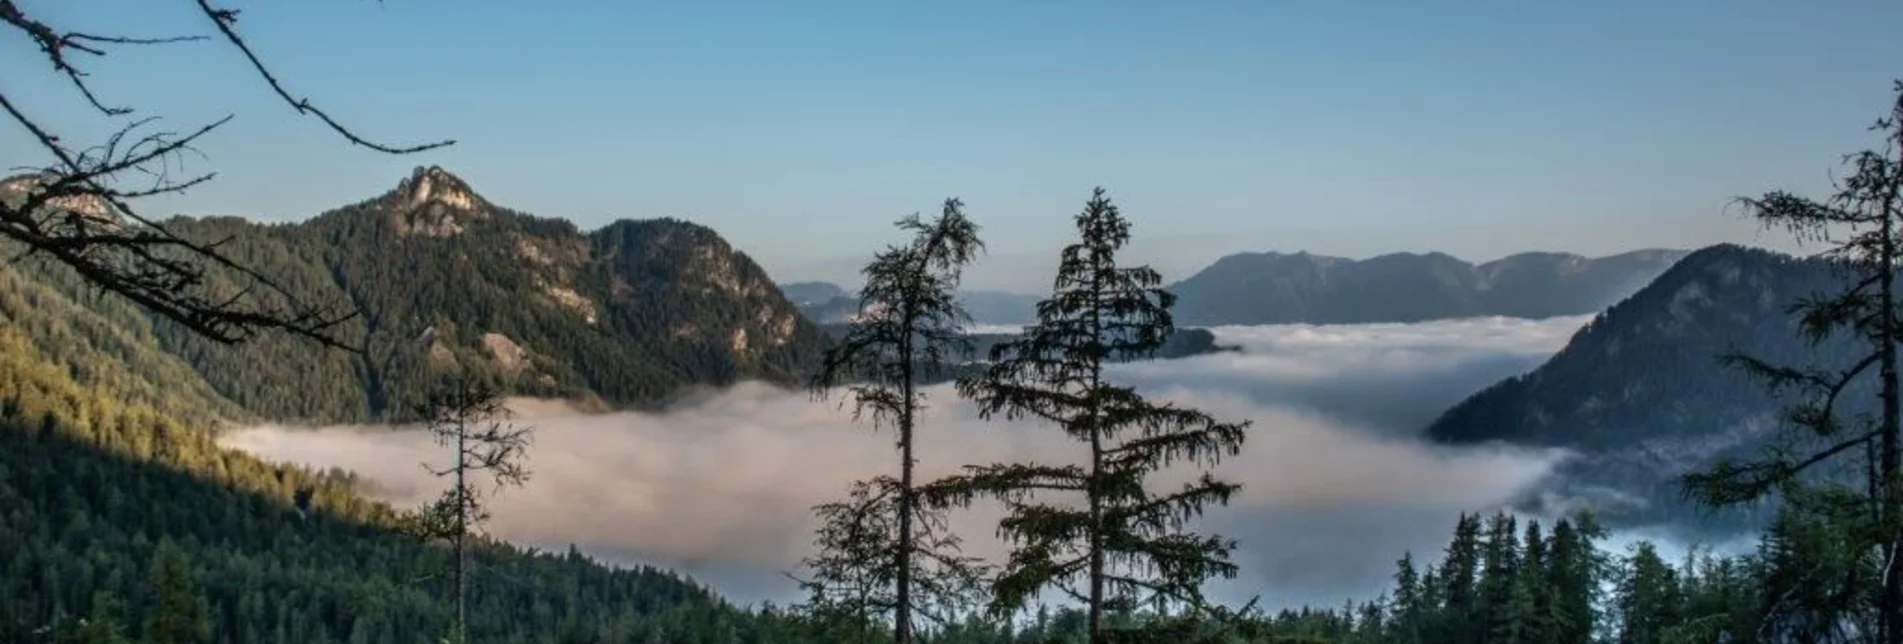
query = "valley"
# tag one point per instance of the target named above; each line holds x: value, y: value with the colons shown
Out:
x: 387, y: 323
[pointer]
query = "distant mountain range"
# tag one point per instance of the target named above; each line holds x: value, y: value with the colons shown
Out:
x: 829, y: 303
x: 1276, y: 288
x: 450, y: 283
x: 1303, y: 288
x: 1639, y: 392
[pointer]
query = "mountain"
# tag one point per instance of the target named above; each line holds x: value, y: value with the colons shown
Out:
x: 1639, y: 393
x: 1277, y: 288
x: 448, y: 282
x: 804, y: 294
x: 1184, y: 343
x: 998, y: 307
x: 108, y: 459
x: 822, y: 302
x: 828, y: 303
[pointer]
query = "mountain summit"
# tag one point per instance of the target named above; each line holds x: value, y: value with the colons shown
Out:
x: 434, y: 203
x: 449, y: 283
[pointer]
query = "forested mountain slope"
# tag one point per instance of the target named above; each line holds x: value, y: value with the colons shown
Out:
x: 449, y: 283
x: 1639, y: 391
x: 98, y: 469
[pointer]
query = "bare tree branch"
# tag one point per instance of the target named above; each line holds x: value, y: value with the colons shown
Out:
x: 225, y: 18
x: 77, y: 210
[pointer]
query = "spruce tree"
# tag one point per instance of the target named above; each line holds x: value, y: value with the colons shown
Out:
x: 1859, y: 224
x: 103, y: 624
x: 1501, y: 599
x: 1574, y: 570
x: 1113, y: 543
x: 1538, y: 592
x: 180, y: 614
x: 472, y: 421
x: 910, y: 330
x: 1460, y: 573
x: 1410, y: 610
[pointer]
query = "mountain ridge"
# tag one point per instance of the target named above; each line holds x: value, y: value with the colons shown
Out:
x: 1639, y: 392
x: 1303, y: 287
x: 451, y: 284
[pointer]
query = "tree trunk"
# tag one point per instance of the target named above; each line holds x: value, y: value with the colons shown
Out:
x: 902, y: 622
x: 1890, y: 508
x: 1094, y: 489
x: 462, y: 528
x: 1096, y: 536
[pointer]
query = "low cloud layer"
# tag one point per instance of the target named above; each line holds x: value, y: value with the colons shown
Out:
x: 1335, y: 487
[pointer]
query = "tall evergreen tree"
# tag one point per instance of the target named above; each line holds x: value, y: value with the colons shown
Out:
x: 1648, y: 598
x: 1538, y: 593
x: 180, y: 614
x: 1500, y: 589
x: 104, y: 623
x: 1410, y: 609
x: 471, y: 420
x: 1860, y: 226
x: 909, y: 331
x: 1116, y: 544
x: 1574, y: 569
x: 1459, y: 576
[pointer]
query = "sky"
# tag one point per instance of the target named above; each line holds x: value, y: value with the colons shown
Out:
x: 801, y: 131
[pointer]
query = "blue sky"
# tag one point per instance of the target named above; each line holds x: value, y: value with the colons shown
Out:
x: 800, y: 130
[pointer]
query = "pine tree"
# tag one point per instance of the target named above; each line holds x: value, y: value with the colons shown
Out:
x: 1117, y: 545
x: 1410, y: 610
x: 852, y: 582
x: 1538, y: 592
x: 1648, y: 598
x: 1867, y: 207
x: 1573, y: 573
x: 910, y: 329
x: 471, y: 420
x: 1500, y: 588
x: 1460, y: 572
x: 180, y: 615
x: 103, y: 624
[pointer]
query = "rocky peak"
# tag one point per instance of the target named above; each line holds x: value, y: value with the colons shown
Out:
x: 84, y: 209
x: 434, y: 203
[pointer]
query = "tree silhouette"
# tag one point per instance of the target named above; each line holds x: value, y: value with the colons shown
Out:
x: 472, y: 421
x: 1859, y: 224
x: 1116, y: 544
x: 910, y: 329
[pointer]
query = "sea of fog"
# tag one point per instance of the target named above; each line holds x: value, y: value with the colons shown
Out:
x: 1336, y: 484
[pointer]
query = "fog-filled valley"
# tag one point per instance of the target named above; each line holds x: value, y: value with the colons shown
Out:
x: 969, y: 323
x: 1336, y: 481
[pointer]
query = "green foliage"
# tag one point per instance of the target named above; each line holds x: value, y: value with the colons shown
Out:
x: 471, y: 420
x: 852, y: 587
x: 1646, y: 372
x: 180, y: 615
x: 90, y: 489
x: 623, y: 316
x: 1116, y: 544
x: 1862, y: 225
x: 911, y: 330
